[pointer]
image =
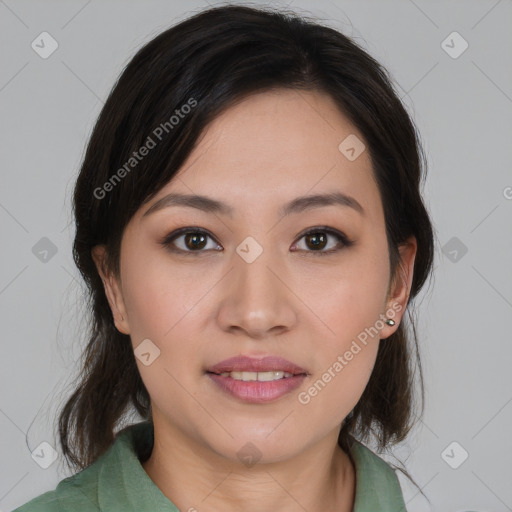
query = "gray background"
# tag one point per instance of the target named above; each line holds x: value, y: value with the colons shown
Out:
x: 462, y: 107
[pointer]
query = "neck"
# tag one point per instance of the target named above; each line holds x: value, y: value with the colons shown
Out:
x: 194, y: 477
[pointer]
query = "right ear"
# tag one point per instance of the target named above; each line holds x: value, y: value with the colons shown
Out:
x: 112, y: 290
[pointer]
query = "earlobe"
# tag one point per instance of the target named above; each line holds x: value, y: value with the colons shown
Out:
x: 112, y: 290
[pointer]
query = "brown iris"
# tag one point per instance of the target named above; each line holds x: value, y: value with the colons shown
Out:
x: 319, y: 240
x: 197, y: 240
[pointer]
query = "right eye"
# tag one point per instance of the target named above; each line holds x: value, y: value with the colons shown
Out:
x: 192, y: 240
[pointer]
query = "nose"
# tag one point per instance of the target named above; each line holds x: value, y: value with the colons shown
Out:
x: 257, y: 301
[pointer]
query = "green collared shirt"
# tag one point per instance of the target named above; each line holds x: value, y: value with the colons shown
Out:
x: 117, y: 482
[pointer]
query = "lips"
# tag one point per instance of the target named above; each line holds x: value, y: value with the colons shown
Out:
x: 252, y: 364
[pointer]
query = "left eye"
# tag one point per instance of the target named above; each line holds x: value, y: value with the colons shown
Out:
x: 194, y: 240
x: 317, y: 239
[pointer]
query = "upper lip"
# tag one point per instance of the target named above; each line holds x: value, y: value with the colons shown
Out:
x: 256, y: 364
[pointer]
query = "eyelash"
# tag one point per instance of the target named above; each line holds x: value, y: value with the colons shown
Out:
x: 167, y: 242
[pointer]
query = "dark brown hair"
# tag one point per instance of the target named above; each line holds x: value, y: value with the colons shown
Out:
x: 217, y: 57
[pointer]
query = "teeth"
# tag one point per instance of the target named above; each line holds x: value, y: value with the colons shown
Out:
x: 260, y: 376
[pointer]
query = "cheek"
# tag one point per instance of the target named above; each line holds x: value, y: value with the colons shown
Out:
x: 348, y: 298
x: 349, y: 305
x: 348, y: 349
x: 157, y: 297
x: 160, y: 307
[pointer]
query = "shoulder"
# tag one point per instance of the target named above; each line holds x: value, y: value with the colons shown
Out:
x: 77, y: 493
x: 73, y: 493
x: 104, y: 484
x: 46, y: 502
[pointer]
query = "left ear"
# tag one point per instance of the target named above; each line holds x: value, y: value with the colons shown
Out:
x: 400, y: 286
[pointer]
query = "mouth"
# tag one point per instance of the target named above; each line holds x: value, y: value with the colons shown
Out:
x: 257, y: 380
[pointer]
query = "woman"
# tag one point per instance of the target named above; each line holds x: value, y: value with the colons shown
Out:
x: 250, y: 225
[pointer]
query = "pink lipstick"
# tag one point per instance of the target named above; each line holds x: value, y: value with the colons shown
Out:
x: 257, y: 380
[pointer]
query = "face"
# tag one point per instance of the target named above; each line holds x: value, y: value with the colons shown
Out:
x: 310, y: 286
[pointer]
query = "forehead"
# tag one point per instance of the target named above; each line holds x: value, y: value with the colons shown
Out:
x: 272, y: 147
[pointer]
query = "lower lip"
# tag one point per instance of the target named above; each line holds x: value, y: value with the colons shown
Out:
x: 255, y: 391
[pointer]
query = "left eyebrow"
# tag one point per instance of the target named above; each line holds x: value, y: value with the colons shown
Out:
x: 303, y: 203
x: 297, y: 205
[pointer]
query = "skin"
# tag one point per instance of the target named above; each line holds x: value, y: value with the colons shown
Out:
x: 259, y: 154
